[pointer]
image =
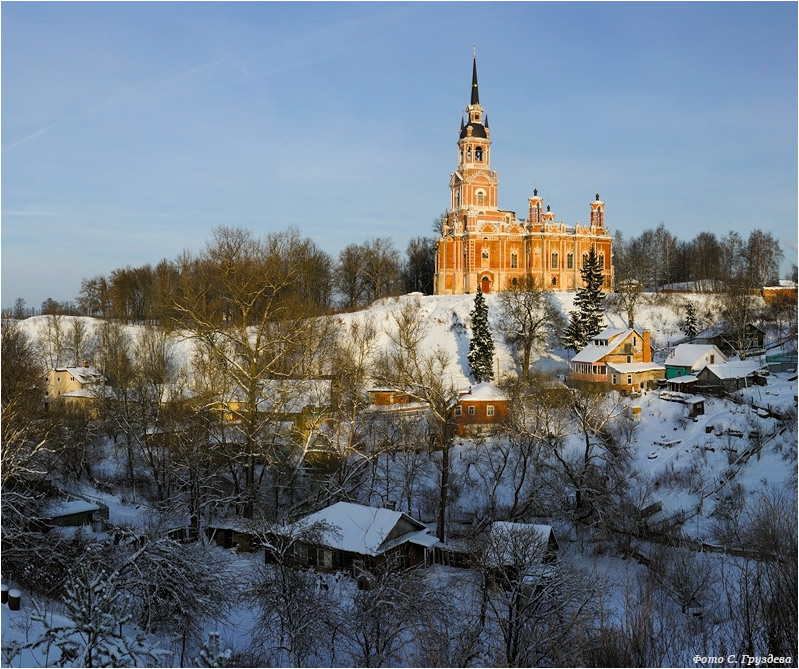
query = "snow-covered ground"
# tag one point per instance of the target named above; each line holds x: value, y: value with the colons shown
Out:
x: 685, y: 463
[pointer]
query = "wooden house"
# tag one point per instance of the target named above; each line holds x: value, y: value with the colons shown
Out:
x: 619, y: 358
x: 356, y: 538
x: 689, y: 359
x: 480, y: 408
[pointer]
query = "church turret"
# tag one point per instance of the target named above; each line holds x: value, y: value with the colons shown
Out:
x: 535, y: 212
x: 474, y: 185
x: 597, y: 213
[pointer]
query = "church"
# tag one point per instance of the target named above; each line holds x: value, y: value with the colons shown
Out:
x: 483, y: 245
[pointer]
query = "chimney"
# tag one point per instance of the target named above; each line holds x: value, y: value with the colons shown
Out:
x: 391, y: 506
x: 647, y: 346
x: 85, y: 363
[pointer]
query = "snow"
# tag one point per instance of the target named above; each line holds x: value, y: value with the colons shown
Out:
x: 693, y: 355
x: 484, y: 391
x: 681, y: 461
x: 69, y: 508
x: 632, y: 367
x: 735, y: 369
x: 358, y: 528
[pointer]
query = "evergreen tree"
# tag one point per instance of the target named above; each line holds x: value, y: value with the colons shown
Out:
x: 93, y: 636
x: 586, y: 321
x: 690, y: 327
x: 481, y: 347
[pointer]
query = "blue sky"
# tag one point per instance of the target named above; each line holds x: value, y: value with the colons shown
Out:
x: 131, y: 130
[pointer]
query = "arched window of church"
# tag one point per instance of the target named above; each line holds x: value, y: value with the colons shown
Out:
x: 478, y: 154
x: 569, y: 261
x: 585, y: 259
x: 469, y: 154
x: 480, y: 197
x: 602, y: 259
x: 554, y: 261
x: 514, y: 260
x: 458, y: 198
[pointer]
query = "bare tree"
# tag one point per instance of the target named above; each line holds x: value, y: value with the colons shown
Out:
x: 537, y: 606
x: 241, y: 299
x: 530, y: 320
x: 298, y: 620
x: 423, y: 374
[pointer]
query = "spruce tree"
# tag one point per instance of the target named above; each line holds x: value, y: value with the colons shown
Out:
x: 481, y: 347
x: 690, y: 327
x: 586, y: 321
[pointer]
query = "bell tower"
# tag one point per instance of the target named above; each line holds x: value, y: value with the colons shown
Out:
x: 473, y: 185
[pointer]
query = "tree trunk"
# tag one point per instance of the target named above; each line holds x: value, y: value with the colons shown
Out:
x: 442, y: 509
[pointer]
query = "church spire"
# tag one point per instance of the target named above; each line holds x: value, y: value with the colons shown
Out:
x: 475, y: 95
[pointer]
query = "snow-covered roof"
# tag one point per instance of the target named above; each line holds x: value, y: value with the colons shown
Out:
x: 610, y: 333
x: 592, y: 353
x: 287, y: 395
x: 484, y: 391
x: 501, y: 530
x: 734, y: 370
x: 596, y: 351
x: 693, y: 355
x: 83, y: 374
x: 634, y: 367
x: 63, y: 508
x: 104, y: 392
x: 688, y: 378
x: 362, y: 529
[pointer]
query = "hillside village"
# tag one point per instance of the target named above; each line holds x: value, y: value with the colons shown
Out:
x: 647, y: 467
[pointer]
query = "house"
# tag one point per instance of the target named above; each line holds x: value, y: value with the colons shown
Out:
x: 71, y: 513
x: 784, y: 293
x: 728, y: 342
x: 479, y: 409
x: 620, y: 358
x: 689, y: 359
x: 73, y: 385
x: 393, y: 400
x: 358, y: 537
x: 730, y: 376
x: 300, y: 404
x: 518, y: 554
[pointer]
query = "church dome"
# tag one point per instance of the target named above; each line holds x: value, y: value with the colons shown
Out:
x: 478, y: 130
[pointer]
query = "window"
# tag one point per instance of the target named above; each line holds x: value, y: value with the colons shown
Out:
x: 585, y: 259
x: 490, y: 410
x: 629, y: 358
x: 613, y: 379
x: 554, y: 281
x: 301, y: 553
x: 569, y: 261
x: 458, y: 410
x: 324, y: 558
x: 471, y: 410
x: 514, y: 281
x: 480, y: 196
x: 514, y: 260
x: 478, y: 154
x: 712, y: 359
x: 629, y: 379
x: 469, y: 153
x: 554, y: 261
